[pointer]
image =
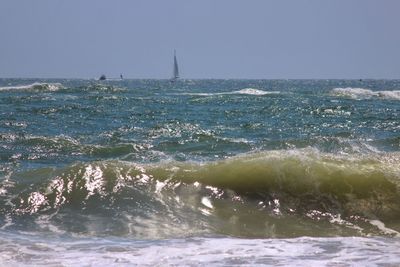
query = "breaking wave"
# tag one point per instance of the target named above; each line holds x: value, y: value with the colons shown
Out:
x: 361, y: 93
x: 35, y: 86
x: 252, y: 91
x: 250, y: 195
x: 245, y: 91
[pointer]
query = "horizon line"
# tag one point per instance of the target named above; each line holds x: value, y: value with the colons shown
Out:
x: 182, y: 79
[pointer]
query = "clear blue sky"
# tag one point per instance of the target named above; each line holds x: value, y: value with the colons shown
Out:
x: 213, y: 38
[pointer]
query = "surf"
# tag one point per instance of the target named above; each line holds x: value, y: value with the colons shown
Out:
x: 249, y: 195
x: 361, y: 93
x: 245, y: 91
x: 37, y: 86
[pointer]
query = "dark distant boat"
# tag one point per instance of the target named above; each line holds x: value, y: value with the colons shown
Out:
x: 102, y: 77
x: 175, y: 75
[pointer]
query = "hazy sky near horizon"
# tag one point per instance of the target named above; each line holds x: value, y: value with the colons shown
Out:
x: 213, y: 38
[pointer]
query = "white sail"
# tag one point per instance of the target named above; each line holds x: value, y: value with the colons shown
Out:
x: 176, y: 69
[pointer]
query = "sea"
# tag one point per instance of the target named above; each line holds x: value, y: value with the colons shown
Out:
x: 145, y: 172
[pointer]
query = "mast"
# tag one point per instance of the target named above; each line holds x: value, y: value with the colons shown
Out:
x: 176, y: 69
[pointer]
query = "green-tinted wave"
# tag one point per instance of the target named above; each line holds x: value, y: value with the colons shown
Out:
x: 276, y: 193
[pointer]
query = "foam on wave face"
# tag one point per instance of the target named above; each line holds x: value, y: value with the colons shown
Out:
x: 361, y: 93
x: 345, y: 191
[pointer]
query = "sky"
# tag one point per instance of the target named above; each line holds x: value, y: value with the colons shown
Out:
x: 253, y: 39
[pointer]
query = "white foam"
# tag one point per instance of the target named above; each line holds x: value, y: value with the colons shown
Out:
x: 390, y: 94
x: 198, y: 94
x: 28, y: 250
x: 253, y: 91
x: 361, y: 93
x: 381, y: 226
x: 244, y: 91
x: 34, y: 86
x: 207, y: 202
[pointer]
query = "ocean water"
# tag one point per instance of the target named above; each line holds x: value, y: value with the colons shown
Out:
x: 199, y: 172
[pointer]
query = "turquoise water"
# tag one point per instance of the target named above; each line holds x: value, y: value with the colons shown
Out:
x: 199, y: 172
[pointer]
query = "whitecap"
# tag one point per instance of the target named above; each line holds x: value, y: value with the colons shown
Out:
x: 253, y: 91
x: 390, y: 94
x: 244, y: 91
x: 34, y: 86
x: 361, y: 93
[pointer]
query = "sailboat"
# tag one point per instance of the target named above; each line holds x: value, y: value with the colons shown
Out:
x: 175, y: 75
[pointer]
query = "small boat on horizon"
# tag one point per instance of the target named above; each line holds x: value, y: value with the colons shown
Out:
x: 103, y: 78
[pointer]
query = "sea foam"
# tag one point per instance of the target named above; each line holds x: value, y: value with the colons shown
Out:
x: 334, y: 251
x: 244, y: 91
x: 34, y: 86
x: 361, y: 93
x: 253, y: 91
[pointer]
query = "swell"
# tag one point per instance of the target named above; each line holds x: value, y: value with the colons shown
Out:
x: 269, y: 194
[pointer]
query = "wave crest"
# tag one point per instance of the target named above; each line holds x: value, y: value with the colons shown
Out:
x: 253, y: 91
x: 35, y: 86
x: 244, y: 91
x: 361, y: 93
x: 221, y: 197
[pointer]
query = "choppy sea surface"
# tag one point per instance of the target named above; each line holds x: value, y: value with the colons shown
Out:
x: 199, y: 172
